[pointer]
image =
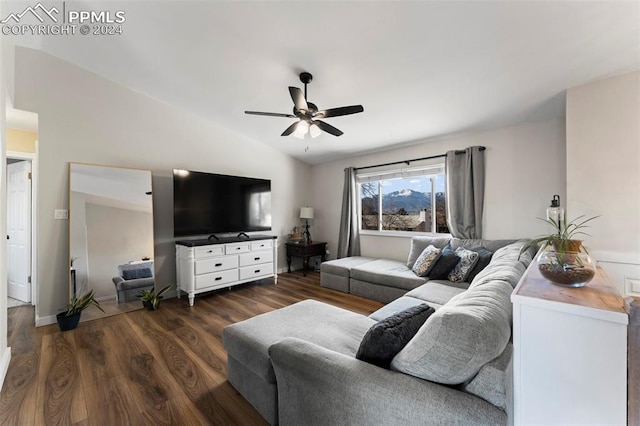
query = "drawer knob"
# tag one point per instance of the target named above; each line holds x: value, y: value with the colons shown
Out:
x: 257, y: 271
x: 256, y: 258
x: 218, y: 264
x: 218, y: 278
x: 210, y: 251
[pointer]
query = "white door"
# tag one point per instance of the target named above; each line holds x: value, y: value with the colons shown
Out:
x: 19, y: 230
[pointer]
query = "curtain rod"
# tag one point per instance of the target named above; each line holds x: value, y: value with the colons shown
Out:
x: 407, y: 162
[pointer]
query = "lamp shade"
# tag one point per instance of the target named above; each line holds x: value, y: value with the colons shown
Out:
x: 306, y: 213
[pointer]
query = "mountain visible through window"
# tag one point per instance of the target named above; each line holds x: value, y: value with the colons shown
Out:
x: 404, y: 204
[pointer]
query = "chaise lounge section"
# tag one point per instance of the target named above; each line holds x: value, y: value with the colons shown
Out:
x: 298, y: 365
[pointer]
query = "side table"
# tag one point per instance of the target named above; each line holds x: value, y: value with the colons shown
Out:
x: 305, y: 251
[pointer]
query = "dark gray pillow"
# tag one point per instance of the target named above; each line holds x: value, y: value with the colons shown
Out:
x: 134, y: 274
x: 444, y: 265
x: 484, y: 257
x: 386, y: 338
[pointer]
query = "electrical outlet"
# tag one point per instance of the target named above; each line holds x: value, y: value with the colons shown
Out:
x: 61, y: 214
x: 633, y: 285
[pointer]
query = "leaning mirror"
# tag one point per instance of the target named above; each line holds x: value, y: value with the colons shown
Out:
x: 110, y: 233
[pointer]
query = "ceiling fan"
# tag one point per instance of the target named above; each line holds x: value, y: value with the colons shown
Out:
x: 308, y: 115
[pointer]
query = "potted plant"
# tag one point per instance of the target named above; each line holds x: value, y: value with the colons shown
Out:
x: 69, y: 319
x: 151, y: 299
x: 563, y: 259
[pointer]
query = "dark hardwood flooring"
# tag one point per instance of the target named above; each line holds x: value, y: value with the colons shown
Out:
x: 145, y: 368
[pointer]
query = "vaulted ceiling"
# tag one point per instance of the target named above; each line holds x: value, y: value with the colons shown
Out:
x: 422, y: 69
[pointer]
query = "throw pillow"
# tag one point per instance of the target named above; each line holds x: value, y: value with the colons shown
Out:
x: 484, y: 257
x: 134, y: 274
x: 426, y: 260
x: 468, y: 260
x: 387, y: 337
x: 448, y: 260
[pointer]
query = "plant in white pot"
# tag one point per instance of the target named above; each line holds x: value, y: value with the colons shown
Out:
x: 563, y: 259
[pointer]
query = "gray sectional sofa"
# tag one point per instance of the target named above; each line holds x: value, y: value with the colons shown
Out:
x: 297, y: 365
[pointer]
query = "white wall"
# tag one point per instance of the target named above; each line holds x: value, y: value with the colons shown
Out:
x: 525, y: 167
x: 85, y: 118
x: 6, y: 89
x: 603, y: 171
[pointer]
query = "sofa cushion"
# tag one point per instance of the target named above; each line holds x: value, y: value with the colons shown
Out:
x: 398, y: 305
x: 505, y: 265
x: 418, y: 244
x: 470, y: 244
x: 342, y: 267
x: 491, y: 382
x: 468, y: 260
x: 387, y: 337
x: 334, y: 328
x: 390, y: 273
x: 426, y: 261
x: 134, y: 274
x: 461, y: 336
x: 445, y: 264
x: 439, y: 292
x: 484, y: 257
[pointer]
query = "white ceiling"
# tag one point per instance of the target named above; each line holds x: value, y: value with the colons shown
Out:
x: 421, y: 69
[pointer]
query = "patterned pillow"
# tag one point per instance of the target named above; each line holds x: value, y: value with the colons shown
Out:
x: 426, y: 260
x: 468, y: 260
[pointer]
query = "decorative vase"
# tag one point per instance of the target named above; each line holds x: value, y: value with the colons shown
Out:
x: 68, y: 322
x: 568, y: 269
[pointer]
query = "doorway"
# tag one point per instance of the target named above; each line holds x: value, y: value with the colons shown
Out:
x: 20, y: 230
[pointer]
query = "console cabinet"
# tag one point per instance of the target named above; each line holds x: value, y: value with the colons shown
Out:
x: 570, y: 352
x: 203, y: 265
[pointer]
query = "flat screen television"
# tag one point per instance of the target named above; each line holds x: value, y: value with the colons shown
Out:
x: 207, y: 203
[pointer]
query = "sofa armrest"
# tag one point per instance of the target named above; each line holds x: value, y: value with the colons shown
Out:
x: 317, y: 386
x: 117, y: 280
x: 135, y: 283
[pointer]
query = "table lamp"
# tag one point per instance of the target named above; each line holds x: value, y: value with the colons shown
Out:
x: 306, y: 213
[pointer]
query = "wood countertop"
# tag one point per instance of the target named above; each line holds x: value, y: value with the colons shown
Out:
x: 599, y: 298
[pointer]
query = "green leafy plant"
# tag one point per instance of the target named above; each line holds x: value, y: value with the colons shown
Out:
x: 564, y: 239
x: 153, y: 298
x: 79, y: 304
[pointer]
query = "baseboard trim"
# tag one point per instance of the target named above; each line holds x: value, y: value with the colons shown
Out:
x: 4, y: 365
x: 42, y: 321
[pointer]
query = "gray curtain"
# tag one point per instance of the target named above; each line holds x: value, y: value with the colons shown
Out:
x: 349, y: 237
x: 465, y: 192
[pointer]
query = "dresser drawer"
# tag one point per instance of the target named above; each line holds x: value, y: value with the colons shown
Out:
x: 237, y: 247
x: 207, y: 266
x: 256, y: 258
x: 208, y: 251
x: 261, y: 245
x: 216, y: 279
x: 256, y: 271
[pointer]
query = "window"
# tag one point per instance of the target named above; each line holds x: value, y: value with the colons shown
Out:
x: 409, y: 199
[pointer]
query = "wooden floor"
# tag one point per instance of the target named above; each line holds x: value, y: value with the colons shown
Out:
x: 144, y: 368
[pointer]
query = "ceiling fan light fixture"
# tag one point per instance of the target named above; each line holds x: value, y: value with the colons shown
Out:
x: 301, y: 129
x: 314, y: 130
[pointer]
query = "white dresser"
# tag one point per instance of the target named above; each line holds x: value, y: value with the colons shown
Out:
x: 204, y: 265
x: 570, y: 352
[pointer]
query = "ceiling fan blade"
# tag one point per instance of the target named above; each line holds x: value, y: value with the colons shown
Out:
x: 270, y: 114
x: 298, y: 99
x: 328, y: 128
x: 336, y: 112
x: 290, y: 129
